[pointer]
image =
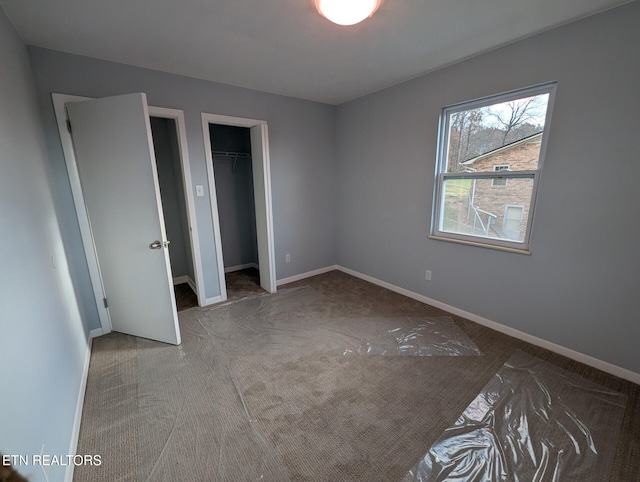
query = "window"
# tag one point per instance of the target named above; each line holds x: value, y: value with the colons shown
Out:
x: 513, y: 216
x: 499, y: 181
x: 490, y: 157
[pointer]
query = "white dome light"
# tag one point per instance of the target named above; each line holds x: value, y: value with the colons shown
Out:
x: 347, y: 12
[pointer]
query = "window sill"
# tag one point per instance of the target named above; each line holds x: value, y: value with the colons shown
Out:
x: 478, y: 244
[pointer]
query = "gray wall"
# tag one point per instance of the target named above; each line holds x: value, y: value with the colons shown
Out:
x: 578, y: 287
x: 43, y: 336
x: 234, y: 192
x: 301, y: 138
x: 165, y: 144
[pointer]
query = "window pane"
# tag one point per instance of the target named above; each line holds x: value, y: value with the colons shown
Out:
x: 488, y: 159
x: 504, y: 133
x: 478, y: 207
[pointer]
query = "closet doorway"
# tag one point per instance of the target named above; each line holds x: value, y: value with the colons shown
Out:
x: 240, y: 191
x: 166, y: 144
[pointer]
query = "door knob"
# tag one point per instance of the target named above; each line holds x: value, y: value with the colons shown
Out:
x: 155, y: 245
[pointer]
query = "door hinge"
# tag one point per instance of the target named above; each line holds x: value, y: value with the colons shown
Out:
x: 106, y: 305
x: 69, y: 126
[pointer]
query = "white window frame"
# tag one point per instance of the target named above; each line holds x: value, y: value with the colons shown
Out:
x: 506, y: 210
x: 441, y: 176
x: 499, y: 168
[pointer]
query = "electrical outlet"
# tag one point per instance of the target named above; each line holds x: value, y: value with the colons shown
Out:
x: 427, y: 275
x: 287, y: 258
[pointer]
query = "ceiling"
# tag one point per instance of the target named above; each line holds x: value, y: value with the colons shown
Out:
x: 284, y: 46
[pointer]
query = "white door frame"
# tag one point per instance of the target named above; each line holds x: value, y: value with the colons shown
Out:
x: 265, y: 238
x: 178, y: 117
x: 59, y: 101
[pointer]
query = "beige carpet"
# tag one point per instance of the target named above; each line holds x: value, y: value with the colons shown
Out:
x: 218, y: 409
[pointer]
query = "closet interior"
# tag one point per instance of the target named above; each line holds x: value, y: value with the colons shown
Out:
x: 167, y: 151
x: 233, y: 174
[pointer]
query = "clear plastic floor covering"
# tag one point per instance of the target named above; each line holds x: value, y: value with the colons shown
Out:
x: 532, y: 422
x: 276, y: 324
x: 191, y: 410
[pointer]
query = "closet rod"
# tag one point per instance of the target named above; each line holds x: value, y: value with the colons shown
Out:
x: 234, y: 155
x: 237, y: 155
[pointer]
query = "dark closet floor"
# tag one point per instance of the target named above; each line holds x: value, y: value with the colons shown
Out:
x: 241, y: 283
x: 185, y: 297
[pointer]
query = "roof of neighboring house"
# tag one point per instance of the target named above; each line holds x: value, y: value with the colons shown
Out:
x: 506, y: 147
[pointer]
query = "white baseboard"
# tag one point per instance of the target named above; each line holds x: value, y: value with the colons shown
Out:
x: 239, y: 267
x: 507, y: 330
x: 178, y: 280
x: 77, y: 419
x: 308, y: 274
x: 96, y: 333
x: 192, y: 285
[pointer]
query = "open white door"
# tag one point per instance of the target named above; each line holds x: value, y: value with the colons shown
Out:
x: 262, y: 195
x: 116, y: 163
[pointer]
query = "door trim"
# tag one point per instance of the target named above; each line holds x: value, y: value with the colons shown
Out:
x: 178, y: 117
x: 266, y: 237
x: 59, y: 100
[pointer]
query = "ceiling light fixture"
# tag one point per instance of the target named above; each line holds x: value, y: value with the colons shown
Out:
x: 347, y: 12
